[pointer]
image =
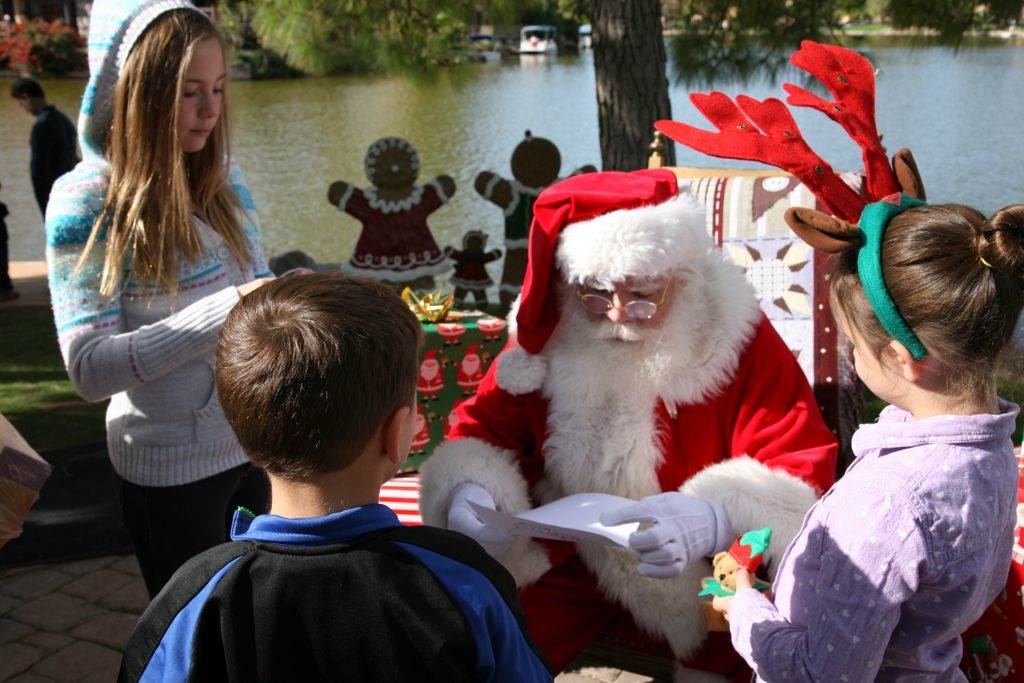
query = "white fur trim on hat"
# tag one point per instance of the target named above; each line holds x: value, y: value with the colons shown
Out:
x: 520, y: 372
x: 644, y: 242
x: 756, y: 496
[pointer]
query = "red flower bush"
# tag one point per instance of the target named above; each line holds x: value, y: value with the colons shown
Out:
x: 42, y: 47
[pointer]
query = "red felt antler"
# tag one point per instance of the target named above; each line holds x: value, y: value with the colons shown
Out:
x: 851, y: 80
x: 764, y: 131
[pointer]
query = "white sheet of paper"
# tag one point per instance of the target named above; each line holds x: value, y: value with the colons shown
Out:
x: 573, y: 518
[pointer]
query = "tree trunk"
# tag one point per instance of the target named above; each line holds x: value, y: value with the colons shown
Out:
x: 632, y: 88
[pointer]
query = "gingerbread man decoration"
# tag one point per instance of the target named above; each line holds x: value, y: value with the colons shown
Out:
x: 535, y: 165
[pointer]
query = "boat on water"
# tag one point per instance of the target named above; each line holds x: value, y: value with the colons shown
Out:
x: 584, y: 37
x: 483, y: 47
x: 538, y: 40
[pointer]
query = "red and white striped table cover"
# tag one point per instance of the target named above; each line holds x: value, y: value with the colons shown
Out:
x: 402, y: 494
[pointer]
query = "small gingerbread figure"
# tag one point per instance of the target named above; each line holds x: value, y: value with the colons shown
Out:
x: 395, y: 244
x: 535, y: 165
x: 471, y: 275
x: 746, y: 551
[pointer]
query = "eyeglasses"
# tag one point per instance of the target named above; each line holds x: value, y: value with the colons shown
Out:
x: 637, y: 309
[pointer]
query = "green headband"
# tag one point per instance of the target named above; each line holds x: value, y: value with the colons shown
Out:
x: 873, y: 221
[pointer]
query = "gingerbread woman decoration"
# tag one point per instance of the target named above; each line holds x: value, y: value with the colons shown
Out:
x: 395, y: 244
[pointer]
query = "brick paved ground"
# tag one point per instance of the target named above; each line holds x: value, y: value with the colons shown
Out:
x: 69, y: 622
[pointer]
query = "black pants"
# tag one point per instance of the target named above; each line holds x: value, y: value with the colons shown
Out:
x: 5, y: 278
x: 169, y: 525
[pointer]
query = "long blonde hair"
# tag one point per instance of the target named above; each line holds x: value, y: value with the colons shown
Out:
x: 154, y: 186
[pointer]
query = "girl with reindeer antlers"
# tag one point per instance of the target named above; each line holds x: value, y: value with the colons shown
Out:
x: 912, y: 544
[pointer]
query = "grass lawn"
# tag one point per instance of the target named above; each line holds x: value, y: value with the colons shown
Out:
x: 35, y: 393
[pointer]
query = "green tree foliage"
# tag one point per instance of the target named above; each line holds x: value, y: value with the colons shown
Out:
x: 718, y: 39
x: 753, y: 38
x: 326, y: 36
x: 953, y: 18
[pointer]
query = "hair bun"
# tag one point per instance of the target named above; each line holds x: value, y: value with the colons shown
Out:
x: 1000, y: 241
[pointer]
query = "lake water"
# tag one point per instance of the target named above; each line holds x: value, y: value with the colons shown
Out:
x: 959, y: 111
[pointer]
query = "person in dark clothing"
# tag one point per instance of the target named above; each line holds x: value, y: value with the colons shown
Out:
x: 7, y: 290
x: 317, y: 377
x: 53, y: 139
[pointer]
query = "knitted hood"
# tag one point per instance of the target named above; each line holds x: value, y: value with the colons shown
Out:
x: 114, y: 27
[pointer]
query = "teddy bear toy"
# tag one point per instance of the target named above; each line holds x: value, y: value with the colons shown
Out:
x: 535, y: 165
x: 395, y: 244
x: 746, y: 551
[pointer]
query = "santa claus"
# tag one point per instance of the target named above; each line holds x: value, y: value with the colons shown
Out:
x: 471, y: 370
x: 639, y: 364
x: 421, y: 436
x: 430, y: 382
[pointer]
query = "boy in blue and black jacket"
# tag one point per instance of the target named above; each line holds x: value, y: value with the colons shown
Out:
x: 316, y: 374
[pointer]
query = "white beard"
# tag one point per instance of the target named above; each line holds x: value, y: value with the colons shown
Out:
x: 602, y: 395
x: 604, y: 381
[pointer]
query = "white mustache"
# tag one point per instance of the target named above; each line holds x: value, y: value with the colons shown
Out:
x: 617, y: 331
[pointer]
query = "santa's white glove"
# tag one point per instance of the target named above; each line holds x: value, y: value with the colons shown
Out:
x: 683, y: 530
x: 463, y: 519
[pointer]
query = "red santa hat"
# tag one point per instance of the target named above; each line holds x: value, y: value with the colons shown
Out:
x: 601, y: 228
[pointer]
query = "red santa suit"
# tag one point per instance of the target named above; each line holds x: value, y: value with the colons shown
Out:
x: 710, y: 403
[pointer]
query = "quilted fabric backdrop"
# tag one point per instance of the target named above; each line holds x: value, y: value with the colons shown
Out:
x: 745, y: 217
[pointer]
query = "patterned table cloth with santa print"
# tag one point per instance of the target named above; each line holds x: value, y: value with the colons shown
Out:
x: 994, y: 646
x: 455, y: 356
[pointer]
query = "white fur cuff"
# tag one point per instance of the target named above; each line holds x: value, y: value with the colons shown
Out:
x: 755, y: 496
x: 475, y: 461
x: 472, y: 461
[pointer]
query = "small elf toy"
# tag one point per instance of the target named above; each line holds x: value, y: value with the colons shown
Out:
x: 470, y: 275
x: 395, y: 245
x: 747, y: 551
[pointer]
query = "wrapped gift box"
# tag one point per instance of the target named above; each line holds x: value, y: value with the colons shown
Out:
x: 455, y: 357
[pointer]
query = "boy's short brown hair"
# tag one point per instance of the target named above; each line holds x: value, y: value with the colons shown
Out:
x: 310, y: 366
